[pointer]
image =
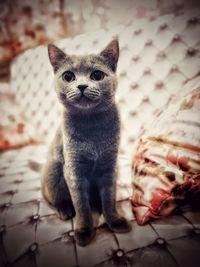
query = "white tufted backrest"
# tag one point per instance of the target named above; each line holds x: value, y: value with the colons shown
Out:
x: 156, y: 57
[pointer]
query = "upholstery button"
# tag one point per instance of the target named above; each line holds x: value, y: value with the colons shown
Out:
x: 176, y: 38
x: 33, y: 113
x: 123, y: 74
x: 152, y: 18
x: 147, y: 71
x: 46, y: 92
x: 160, y: 241
x: 159, y: 85
x: 133, y: 113
x: 161, y: 54
x: 174, y: 68
x: 138, y: 31
x: 119, y: 253
x: 136, y: 58
x: 193, y: 20
x: 17, y: 181
x: 71, y: 233
x: 7, y: 205
x: 35, y: 217
x: 95, y: 42
x: 45, y: 132
x: 131, y: 139
x: 134, y: 86
x: 145, y: 99
x: 163, y: 26
x: 197, y: 231
x: 12, y: 192
x: 34, y: 94
x: 33, y: 247
x: 191, y: 51
x: 149, y: 42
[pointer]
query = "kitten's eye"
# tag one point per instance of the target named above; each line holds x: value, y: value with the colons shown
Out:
x: 97, y: 75
x: 68, y: 76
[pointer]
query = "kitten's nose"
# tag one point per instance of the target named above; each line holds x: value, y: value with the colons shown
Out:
x: 82, y: 87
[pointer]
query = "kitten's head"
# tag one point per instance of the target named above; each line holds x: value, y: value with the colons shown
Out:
x: 85, y: 82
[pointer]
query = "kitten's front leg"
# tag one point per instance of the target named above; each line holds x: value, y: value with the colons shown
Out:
x: 107, y: 189
x: 79, y: 189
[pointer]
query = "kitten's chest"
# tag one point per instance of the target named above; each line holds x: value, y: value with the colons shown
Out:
x: 96, y: 140
x: 92, y: 138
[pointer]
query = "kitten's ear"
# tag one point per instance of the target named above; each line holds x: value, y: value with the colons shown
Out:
x: 56, y: 56
x: 111, y: 54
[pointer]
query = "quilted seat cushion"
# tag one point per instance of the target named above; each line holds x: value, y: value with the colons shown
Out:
x: 166, y: 165
x: 31, y: 235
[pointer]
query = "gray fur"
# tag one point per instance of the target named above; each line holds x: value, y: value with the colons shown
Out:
x: 80, y: 174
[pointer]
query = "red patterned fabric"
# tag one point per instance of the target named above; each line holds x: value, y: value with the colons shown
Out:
x: 166, y: 165
x: 15, y: 131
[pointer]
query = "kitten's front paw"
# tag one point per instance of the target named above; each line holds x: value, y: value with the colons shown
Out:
x: 65, y: 213
x: 84, y: 236
x: 120, y: 225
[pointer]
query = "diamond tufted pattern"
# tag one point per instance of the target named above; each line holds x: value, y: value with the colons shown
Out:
x: 154, y: 60
x: 32, y: 235
x: 157, y: 56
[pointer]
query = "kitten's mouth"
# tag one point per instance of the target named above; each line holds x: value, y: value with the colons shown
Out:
x: 85, y: 97
x: 85, y: 102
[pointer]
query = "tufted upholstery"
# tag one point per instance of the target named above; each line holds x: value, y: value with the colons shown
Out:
x: 157, y: 56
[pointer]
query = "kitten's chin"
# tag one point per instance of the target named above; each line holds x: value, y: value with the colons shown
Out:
x: 84, y: 103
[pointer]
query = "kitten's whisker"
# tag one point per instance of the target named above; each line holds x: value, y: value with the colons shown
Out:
x: 73, y: 96
x: 93, y: 93
x: 71, y: 93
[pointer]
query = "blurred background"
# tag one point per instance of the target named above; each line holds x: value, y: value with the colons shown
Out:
x: 25, y: 24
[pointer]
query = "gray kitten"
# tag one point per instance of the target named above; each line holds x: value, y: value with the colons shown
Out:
x: 80, y: 175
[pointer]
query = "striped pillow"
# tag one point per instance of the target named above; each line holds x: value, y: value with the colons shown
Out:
x: 166, y: 165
